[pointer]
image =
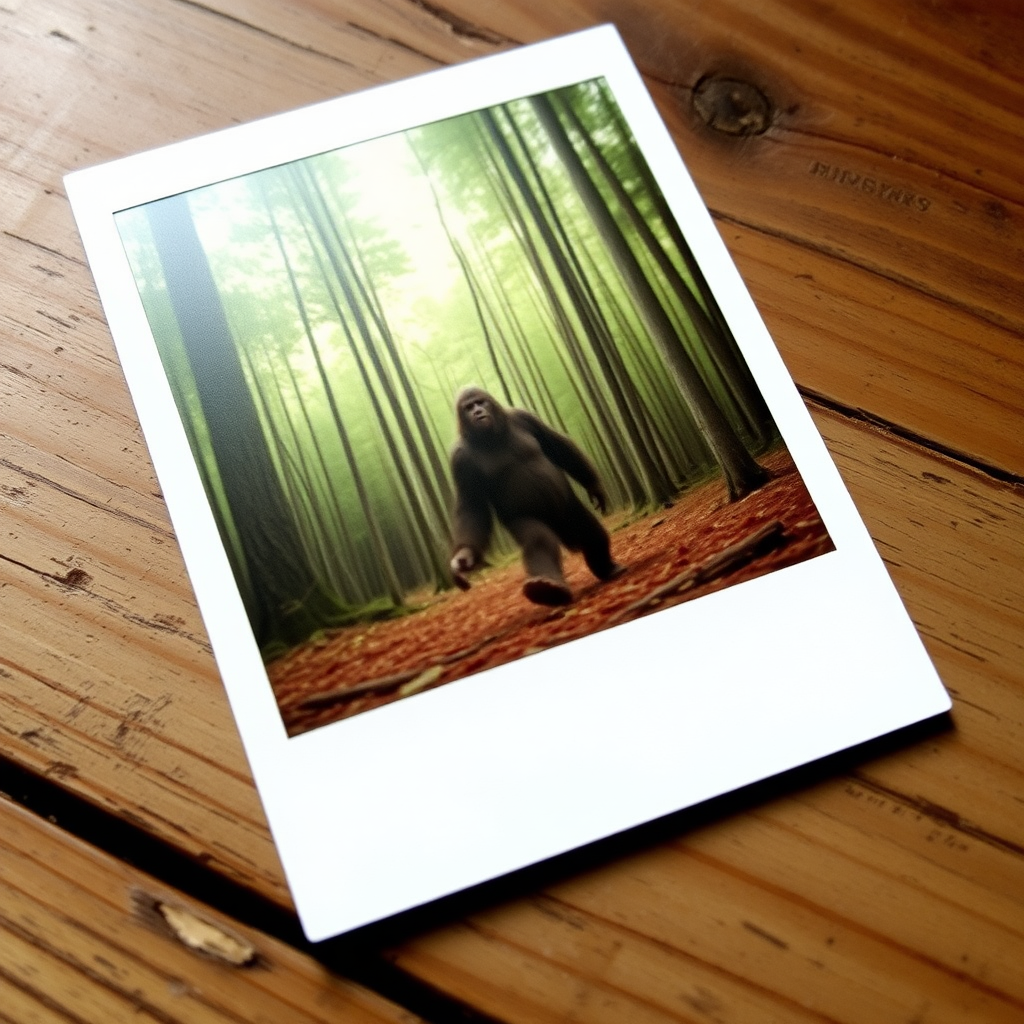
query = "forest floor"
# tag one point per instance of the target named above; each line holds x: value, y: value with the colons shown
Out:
x: 701, y: 544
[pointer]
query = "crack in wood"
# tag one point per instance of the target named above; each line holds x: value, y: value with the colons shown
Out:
x: 391, y: 40
x: 361, y: 961
x: 929, y: 444
x: 462, y: 28
x: 44, y: 248
x: 241, y: 23
x: 75, y: 579
x: 79, y: 579
x: 762, y: 934
x: 127, y: 517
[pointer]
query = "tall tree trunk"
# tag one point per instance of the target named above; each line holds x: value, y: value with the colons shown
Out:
x: 751, y: 393
x: 619, y: 432
x: 742, y: 472
x: 584, y: 377
x: 434, y: 482
x: 394, y: 588
x: 287, y: 602
x: 726, y: 361
x: 428, y: 534
x: 623, y: 391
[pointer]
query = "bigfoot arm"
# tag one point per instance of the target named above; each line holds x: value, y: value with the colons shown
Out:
x: 567, y: 455
x: 471, y: 528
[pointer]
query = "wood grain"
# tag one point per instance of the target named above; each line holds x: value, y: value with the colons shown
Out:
x: 911, y: 866
x: 82, y: 938
x: 878, y: 221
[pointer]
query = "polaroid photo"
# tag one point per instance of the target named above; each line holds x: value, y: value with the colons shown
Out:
x: 509, y: 528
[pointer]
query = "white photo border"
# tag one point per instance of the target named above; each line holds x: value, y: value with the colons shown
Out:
x: 491, y: 773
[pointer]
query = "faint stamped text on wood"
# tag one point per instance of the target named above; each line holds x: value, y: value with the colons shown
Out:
x: 870, y: 186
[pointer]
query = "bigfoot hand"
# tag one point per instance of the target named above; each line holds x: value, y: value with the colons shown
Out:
x: 598, y: 498
x: 463, y: 561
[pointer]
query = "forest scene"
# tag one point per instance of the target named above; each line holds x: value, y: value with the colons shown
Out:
x: 317, y: 321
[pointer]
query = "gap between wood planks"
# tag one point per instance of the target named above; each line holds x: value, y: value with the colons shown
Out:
x: 362, y: 957
x: 816, y: 400
x: 364, y: 964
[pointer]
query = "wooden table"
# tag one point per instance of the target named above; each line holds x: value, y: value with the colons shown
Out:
x: 877, y: 212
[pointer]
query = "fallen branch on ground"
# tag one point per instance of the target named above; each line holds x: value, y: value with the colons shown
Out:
x: 382, y: 684
x: 760, y: 542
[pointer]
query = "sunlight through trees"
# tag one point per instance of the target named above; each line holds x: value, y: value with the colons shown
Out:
x: 317, y: 319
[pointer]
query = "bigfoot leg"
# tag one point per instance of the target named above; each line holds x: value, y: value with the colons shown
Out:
x: 593, y: 540
x: 542, y: 559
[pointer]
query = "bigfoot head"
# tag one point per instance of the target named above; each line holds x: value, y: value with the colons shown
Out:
x: 482, y: 420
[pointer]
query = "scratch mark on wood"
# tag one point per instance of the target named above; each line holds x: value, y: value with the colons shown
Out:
x: 943, y: 815
x: 767, y: 936
x: 47, y: 270
x: 703, y: 1001
x: 391, y: 41
x: 561, y: 914
x: 242, y: 23
x: 55, y: 319
x: 62, y: 489
x: 462, y: 28
x: 45, y: 248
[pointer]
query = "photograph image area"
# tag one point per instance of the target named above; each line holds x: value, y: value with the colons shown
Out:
x: 458, y: 395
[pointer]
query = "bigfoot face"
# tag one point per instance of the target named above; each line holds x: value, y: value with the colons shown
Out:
x: 480, y: 417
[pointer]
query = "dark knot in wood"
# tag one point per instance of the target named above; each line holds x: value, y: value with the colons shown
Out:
x: 731, y: 106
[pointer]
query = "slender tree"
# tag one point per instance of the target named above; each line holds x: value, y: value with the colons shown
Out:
x: 742, y: 472
x: 383, y: 555
x: 287, y: 601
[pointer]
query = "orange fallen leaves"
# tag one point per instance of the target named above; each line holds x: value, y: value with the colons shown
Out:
x: 459, y: 633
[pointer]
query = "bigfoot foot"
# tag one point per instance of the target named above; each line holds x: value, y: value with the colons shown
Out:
x: 613, y: 573
x: 541, y: 590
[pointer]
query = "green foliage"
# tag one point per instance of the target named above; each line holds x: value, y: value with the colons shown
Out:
x: 363, y: 288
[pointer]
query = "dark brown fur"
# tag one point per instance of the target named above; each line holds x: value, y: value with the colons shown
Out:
x: 510, y: 465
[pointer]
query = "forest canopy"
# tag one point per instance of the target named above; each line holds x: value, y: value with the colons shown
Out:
x: 316, y: 320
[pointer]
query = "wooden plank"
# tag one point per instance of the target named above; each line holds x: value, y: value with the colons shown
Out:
x: 84, y: 939
x: 45, y: 431
x: 945, y: 531
x: 862, y: 898
x: 775, y: 915
x: 877, y: 248
x: 867, y: 344
x: 893, y: 893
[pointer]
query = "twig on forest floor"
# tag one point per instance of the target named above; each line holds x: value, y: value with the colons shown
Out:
x: 760, y: 542
x: 382, y: 684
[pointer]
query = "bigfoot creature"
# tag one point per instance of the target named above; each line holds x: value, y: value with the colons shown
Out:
x: 510, y: 464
